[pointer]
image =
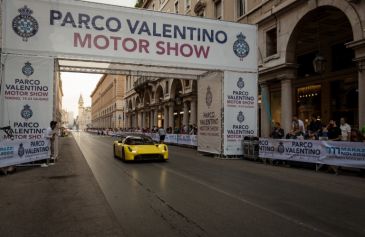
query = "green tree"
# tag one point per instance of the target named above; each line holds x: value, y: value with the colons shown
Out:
x: 139, y: 3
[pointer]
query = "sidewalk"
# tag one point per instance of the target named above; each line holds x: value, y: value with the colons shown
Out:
x: 60, y: 200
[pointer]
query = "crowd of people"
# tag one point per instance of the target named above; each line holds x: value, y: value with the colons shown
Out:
x: 317, y: 130
x: 190, y: 130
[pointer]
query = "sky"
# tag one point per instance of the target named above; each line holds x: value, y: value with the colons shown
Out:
x: 75, y: 84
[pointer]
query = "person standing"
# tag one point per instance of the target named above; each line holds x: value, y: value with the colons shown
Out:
x: 345, y: 130
x: 299, y: 122
x: 50, y: 136
x: 162, y: 133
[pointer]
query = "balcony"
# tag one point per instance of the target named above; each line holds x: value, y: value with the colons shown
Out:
x: 141, y: 84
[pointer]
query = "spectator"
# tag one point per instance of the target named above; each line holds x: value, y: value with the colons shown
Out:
x: 162, y: 134
x: 278, y: 132
x: 363, y: 130
x: 313, y: 128
x: 296, y: 131
x: 50, y: 135
x: 299, y: 122
x: 334, y: 132
x: 323, y: 133
x: 356, y: 136
x: 345, y: 130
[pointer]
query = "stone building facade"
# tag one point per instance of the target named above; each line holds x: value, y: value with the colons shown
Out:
x: 311, y: 54
x: 168, y: 103
x: 107, y: 106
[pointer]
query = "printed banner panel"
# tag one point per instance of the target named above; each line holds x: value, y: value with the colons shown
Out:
x: 27, y: 95
x: 97, y: 31
x: 13, y: 152
x: 210, y: 113
x: 347, y: 154
x: 240, y: 110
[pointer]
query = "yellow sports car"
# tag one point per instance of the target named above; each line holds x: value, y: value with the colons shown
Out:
x: 139, y: 147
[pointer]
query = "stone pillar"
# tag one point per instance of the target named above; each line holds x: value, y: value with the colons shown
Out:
x: 186, y: 113
x: 171, y: 115
x: 359, y: 47
x: 166, y: 116
x: 286, y: 104
x: 155, y: 118
x: 151, y: 118
x: 265, y: 110
x: 143, y: 119
x: 361, y: 79
x: 193, y: 111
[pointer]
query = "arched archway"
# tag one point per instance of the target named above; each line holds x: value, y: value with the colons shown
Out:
x: 325, y: 67
x: 345, y: 11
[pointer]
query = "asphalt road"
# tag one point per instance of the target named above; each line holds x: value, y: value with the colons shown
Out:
x: 197, y: 195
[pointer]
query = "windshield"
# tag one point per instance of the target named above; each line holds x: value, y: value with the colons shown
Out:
x: 139, y: 141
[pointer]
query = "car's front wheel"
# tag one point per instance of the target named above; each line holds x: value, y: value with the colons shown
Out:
x: 123, y: 154
x: 114, y: 151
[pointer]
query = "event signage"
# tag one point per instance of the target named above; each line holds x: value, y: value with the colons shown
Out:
x: 96, y: 31
x: 28, y: 96
x: 13, y: 152
x: 347, y: 154
x: 210, y: 113
x: 240, y: 110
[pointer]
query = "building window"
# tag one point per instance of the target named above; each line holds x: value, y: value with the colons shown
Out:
x: 271, y: 42
x: 153, y: 6
x: 218, y: 9
x: 176, y: 6
x: 240, y: 8
x: 187, y: 4
x: 187, y: 82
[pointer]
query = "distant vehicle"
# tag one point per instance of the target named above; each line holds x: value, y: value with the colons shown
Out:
x: 139, y: 147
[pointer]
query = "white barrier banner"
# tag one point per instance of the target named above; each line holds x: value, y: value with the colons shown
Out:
x: 351, y: 154
x: 187, y: 139
x: 13, y: 152
x: 347, y: 154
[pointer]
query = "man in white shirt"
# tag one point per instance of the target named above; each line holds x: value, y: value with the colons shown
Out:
x: 162, y: 133
x: 345, y: 130
x: 300, y: 123
x: 50, y: 135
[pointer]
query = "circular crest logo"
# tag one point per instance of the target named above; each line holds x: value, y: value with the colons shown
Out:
x: 24, y: 24
x: 240, y: 83
x: 281, y: 147
x: 241, y: 47
x: 208, y: 97
x: 27, y: 69
x: 21, y: 150
x: 26, y: 112
x: 240, y: 117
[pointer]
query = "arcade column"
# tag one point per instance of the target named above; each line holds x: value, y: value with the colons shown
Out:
x: 359, y: 48
x: 186, y: 113
x: 193, y: 111
x: 166, y: 117
x: 286, y: 104
x: 265, y: 110
x: 171, y: 115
